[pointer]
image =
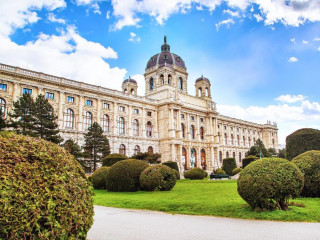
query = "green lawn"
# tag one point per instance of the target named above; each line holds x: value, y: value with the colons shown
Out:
x: 203, y: 197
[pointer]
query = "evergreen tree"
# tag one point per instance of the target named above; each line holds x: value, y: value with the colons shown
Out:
x: 73, y: 148
x: 22, y: 118
x: 96, y: 145
x: 258, y: 149
x: 45, y: 120
x: 3, y: 122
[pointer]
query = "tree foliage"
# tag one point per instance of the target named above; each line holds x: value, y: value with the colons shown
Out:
x: 148, y: 157
x: 258, y: 149
x: 96, y: 145
x: 3, y: 122
x: 74, y: 149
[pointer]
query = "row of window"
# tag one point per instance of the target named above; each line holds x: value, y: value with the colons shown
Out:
x: 151, y: 82
x: 136, y: 150
x: 192, y: 132
x: 239, y: 129
x: 191, y: 118
x: 227, y: 156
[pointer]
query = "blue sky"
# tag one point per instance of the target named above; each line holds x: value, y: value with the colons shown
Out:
x: 262, y: 57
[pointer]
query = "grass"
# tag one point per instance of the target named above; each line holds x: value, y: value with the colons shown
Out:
x: 203, y: 197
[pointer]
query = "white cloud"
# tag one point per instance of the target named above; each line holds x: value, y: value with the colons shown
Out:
x: 293, y: 40
x: 258, y: 17
x: 232, y: 13
x: 290, y: 98
x: 108, y: 15
x: 52, y: 18
x: 316, y: 39
x: 305, y: 42
x: 134, y: 37
x: 226, y: 22
x: 293, y: 59
x: 141, y: 83
x: 319, y: 48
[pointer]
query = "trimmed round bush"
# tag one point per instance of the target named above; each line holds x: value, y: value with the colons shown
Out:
x: 99, y: 178
x: 219, y: 171
x: 236, y: 171
x: 44, y: 193
x: 171, y: 164
x: 113, y: 158
x: 269, y: 183
x: 247, y: 160
x: 205, y: 174
x: 194, y: 173
x: 301, y: 141
x: 309, y: 164
x: 177, y: 174
x: 124, y: 175
x: 158, y: 177
x: 228, y: 165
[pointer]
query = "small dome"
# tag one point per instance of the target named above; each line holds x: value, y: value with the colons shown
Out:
x: 129, y: 80
x: 202, y: 78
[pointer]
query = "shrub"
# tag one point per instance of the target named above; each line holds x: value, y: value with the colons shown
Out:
x: 228, y: 165
x: 177, y: 174
x: 301, y: 141
x: 158, y: 177
x: 113, y: 158
x: 309, y: 164
x: 44, y: 191
x: 194, y: 173
x: 124, y: 175
x: 236, y: 171
x: 268, y: 183
x: 99, y: 178
x: 171, y: 164
x: 247, y: 160
x: 205, y: 174
x: 148, y: 157
x: 219, y: 171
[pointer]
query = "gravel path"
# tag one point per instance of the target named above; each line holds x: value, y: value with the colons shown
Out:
x: 126, y: 224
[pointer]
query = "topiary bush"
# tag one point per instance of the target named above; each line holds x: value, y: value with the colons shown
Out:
x: 269, y: 183
x: 44, y: 194
x: 219, y: 171
x: 228, y: 165
x: 194, y: 173
x: 236, y: 171
x: 113, y: 158
x: 177, y: 174
x: 247, y: 160
x: 301, y: 141
x: 309, y: 164
x: 124, y: 175
x: 171, y: 164
x: 158, y: 177
x: 99, y: 178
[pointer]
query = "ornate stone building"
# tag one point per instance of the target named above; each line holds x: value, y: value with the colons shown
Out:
x: 183, y: 128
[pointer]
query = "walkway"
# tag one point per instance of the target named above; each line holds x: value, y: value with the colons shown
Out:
x: 125, y: 224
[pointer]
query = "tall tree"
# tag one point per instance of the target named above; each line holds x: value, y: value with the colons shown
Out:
x: 22, y: 118
x: 96, y: 145
x: 258, y: 149
x: 45, y: 125
x: 3, y: 122
x: 73, y: 148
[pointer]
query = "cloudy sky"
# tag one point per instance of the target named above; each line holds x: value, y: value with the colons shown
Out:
x: 262, y: 56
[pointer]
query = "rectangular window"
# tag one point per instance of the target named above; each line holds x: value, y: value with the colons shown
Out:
x: 136, y: 111
x: 192, y: 118
x: 122, y: 109
x: 201, y: 119
x: 106, y: 105
x: 182, y: 116
x: 89, y: 102
x: 149, y: 114
x: 49, y: 95
x: 27, y: 91
x: 70, y: 99
x: 3, y: 87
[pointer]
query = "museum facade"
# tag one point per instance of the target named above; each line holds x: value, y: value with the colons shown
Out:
x: 167, y: 120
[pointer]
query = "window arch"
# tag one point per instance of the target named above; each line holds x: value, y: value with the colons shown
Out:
x: 162, y: 79
x: 122, y: 149
x: 244, y: 141
x: 180, y: 83
x: 225, y: 139
x: 169, y: 79
x: 199, y: 91
x: 203, y: 159
x: 232, y: 139
x: 150, y: 149
x: 105, y: 123
x: 207, y: 92
x: 121, y: 125
x: 149, y: 129
x: 136, y: 149
x: 183, y: 131
x: 135, y: 127
x: 201, y: 133
x: 192, y: 133
x: 249, y: 141
x: 87, y: 120
x: 151, y: 84
x: 238, y: 140
x: 69, y: 118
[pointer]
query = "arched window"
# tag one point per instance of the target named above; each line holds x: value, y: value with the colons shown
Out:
x: 238, y: 140
x: 184, y: 158
x: 207, y: 92
x: 227, y: 154
x: 183, y: 131
x: 232, y: 139
x: 200, y: 92
x: 203, y: 159
x: 132, y: 91
x: 225, y: 139
x: 135, y: 127
x: 162, y: 79
x: 219, y: 137
x: 254, y: 140
x: 249, y: 140
x: 169, y: 79
x: 122, y: 149
x: 244, y: 141
x: 150, y: 149
x: 234, y: 155
x: 151, y: 84
x: 121, y: 125
x: 220, y: 156
x: 273, y: 143
x: 105, y: 123
x: 149, y: 129
x: 68, y: 118
x: 87, y: 120
x: 136, y: 149
x: 180, y: 83
x: 192, y: 133
x: 2, y: 106
x: 201, y: 133
x: 240, y: 158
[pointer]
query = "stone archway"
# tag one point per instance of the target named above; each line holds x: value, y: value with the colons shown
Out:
x: 203, y: 159
x: 193, y: 157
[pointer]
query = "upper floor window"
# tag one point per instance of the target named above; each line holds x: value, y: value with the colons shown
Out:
x: 149, y: 129
x: 50, y: 95
x: 87, y: 120
x: 183, y: 130
x: 122, y: 108
x: 201, y: 119
x: 121, y: 125
x: 149, y: 114
x: 192, y: 132
x: 162, y: 79
x: 89, y: 102
x: 106, y: 105
x: 136, y: 111
x: 201, y: 133
x: 182, y: 116
x: 3, y: 87
x: 225, y: 139
x: 70, y: 99
x: 225, y: 127
x: 105, y: 123
x: 180, y: 83
x: 27, y: 91
x: 151, y: 84
x: 192, y: 118
x: 135, y: 127
x: 69, y: 118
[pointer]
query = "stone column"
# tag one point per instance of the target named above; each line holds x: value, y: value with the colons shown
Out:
x: 15, y: 92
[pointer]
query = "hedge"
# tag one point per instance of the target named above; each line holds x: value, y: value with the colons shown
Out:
x: 247, y: 160
x: 99, y: 178
x: 228, y: 165
x: 195, y: 173
x: 113, y: 158
x: 171, y: 164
